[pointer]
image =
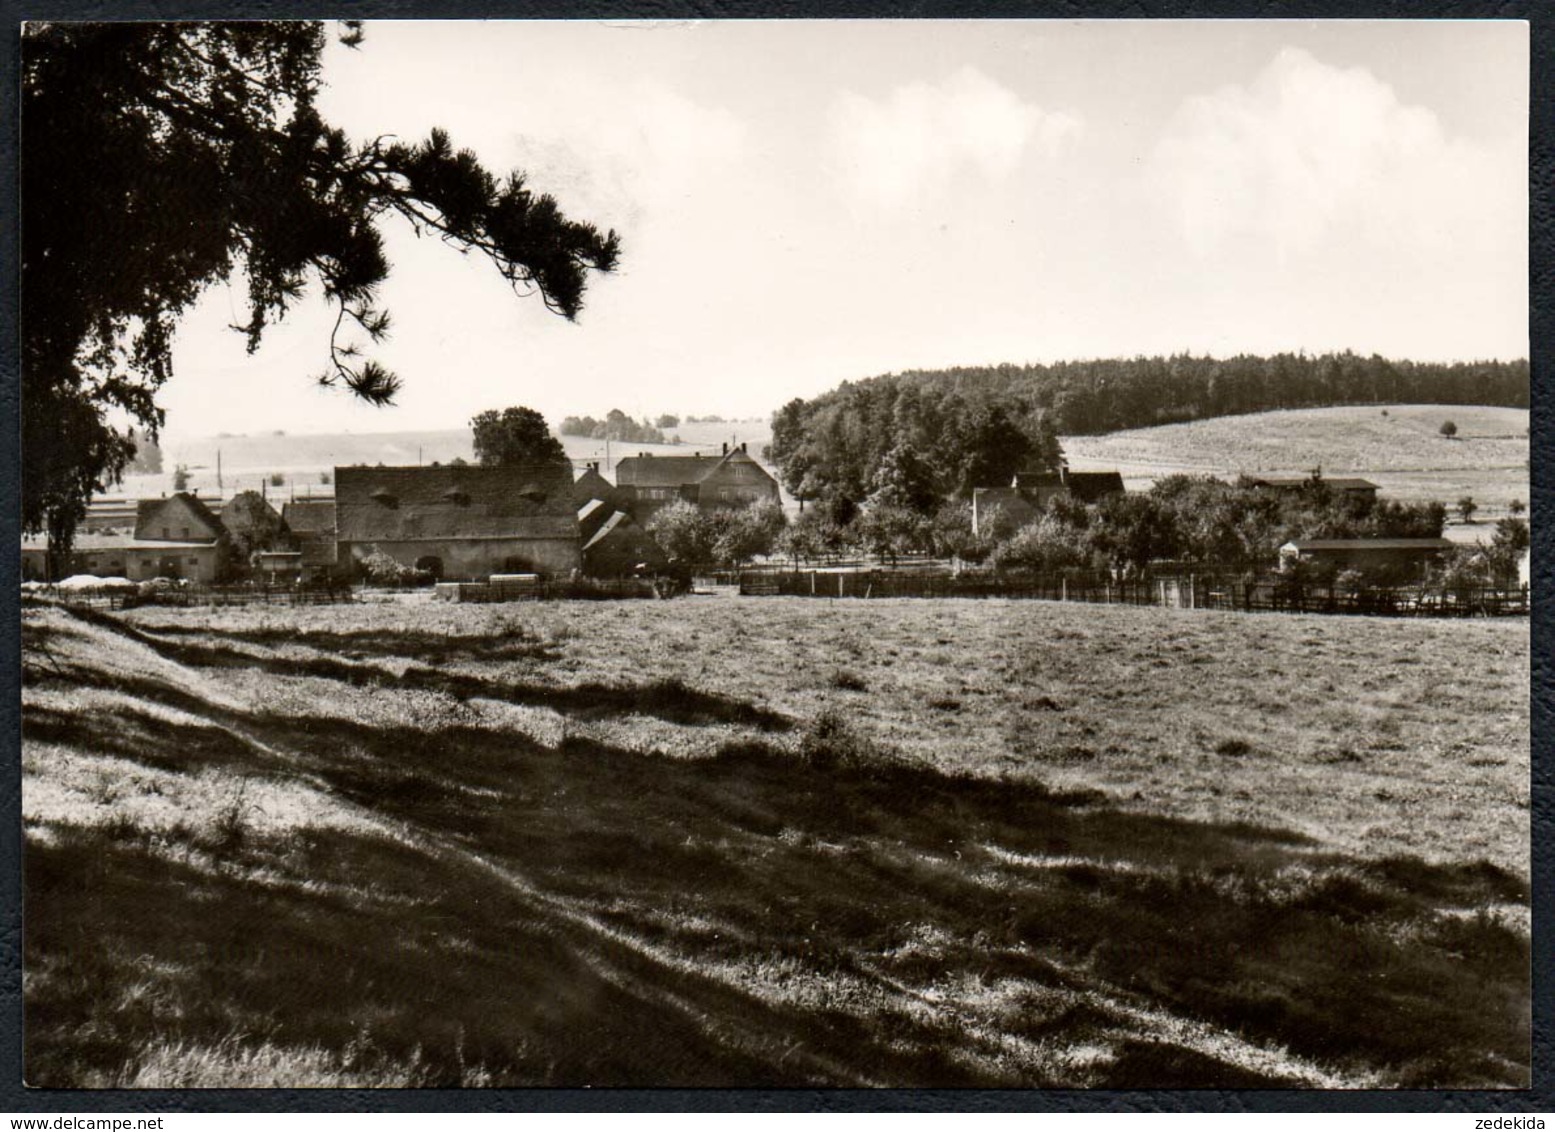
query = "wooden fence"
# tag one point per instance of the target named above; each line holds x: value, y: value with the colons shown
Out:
x: 1193, y: 591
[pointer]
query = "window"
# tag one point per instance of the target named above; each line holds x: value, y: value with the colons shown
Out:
x: 186, y: 532
x: 194, y: 561
x: 167, y: 532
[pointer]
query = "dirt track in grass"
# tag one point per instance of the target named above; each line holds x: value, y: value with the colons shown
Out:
x: 608, y: 844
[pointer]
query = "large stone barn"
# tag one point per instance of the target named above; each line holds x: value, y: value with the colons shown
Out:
x: 733, y: 479
x: 460, y: 523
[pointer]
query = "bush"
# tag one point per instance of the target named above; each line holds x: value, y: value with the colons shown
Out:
x: 1449, y: 429
x: 831, y: 743
x: 382, y: 570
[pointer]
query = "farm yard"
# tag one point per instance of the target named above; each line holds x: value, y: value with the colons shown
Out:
x: 774, y: 841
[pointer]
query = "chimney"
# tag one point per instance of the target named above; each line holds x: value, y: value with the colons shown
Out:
x: 726, y: 448
x: 743, y: 443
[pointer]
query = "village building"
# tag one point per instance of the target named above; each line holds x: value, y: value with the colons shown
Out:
x: 1355, y: 488
x: 1403, y: 557
x: 615, y: 545
x: 591, y: 485
x: 460, y: 522
x: 1029, y: 494
x: 177, y: 536
x: 647, y: 484
x: 310, y: 525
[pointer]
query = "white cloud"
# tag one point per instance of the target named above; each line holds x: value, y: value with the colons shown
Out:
x: 1308, y: 153
x: 907, y: 147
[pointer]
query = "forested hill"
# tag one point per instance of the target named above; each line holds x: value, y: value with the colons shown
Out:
x: 947, y: 419
x: 1117, y: 393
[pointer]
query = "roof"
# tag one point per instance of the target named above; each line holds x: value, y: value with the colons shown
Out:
x: 1085, y: 486
x: 93, y: 543
x: 1091, y: 486
x: 1301, y: 544
x: 591, y: 485
x: 147, y: 509
x: 609, y: 525
x: 1338, y: 483
x: 666, y: 471
x: 448, y: 502
x: 309, y: 516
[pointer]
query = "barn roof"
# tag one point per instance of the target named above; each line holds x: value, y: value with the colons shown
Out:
x: 666, y: 471
x: 1091, y: 486
x: 309, y: 516
x: 1301, y: 544
x: 1338, y: 483
x: 447, y: 502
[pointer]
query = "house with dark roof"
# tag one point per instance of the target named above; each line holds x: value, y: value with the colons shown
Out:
x: 1350, y: 486
x: 311, y: 524
x: 1029, y: 494
x: 592, y: 485
x: 733, y: 479
x: 460, y: 522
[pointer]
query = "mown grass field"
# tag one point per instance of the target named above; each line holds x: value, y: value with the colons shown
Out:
x: 775, y: 842
x: 1403, y: 452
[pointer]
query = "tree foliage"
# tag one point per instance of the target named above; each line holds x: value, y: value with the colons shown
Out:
x: 252, y: 525
x: 696, y: 539
x: 164, y: 157
x: 515, y: 436
x: 978, y: 425
x: 616, y: 426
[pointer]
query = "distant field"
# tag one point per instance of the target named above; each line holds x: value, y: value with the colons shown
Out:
x: 774, y: 841
x: 1403, y: 452
x: 248, y: 462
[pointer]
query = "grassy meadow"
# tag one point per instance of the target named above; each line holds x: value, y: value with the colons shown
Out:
x: 780, y: 842
x: 1398, y: 447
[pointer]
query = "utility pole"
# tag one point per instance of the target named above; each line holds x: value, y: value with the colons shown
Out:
x: 219, y: 484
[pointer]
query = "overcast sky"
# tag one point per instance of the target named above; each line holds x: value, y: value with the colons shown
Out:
x: 804, y: 203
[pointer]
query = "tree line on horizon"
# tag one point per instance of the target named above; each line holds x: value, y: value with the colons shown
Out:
x: 959, y: 428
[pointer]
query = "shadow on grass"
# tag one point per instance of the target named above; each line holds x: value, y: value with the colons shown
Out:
x: 588, y: 915
x: 667, y: 699
x: 500, y: 645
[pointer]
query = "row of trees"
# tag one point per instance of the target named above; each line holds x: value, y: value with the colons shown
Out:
x: 1182, y: 519
x: 618, y: 426
x: 960, y: 428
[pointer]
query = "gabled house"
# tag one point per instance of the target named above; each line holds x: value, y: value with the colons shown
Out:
x: 1030, y: 492
x: 460, y: 523
x: 181, y: 517
x: 592, y: 485
x: 733, y: 479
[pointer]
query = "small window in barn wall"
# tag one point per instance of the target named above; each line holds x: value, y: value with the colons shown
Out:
x: 194, y: 561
